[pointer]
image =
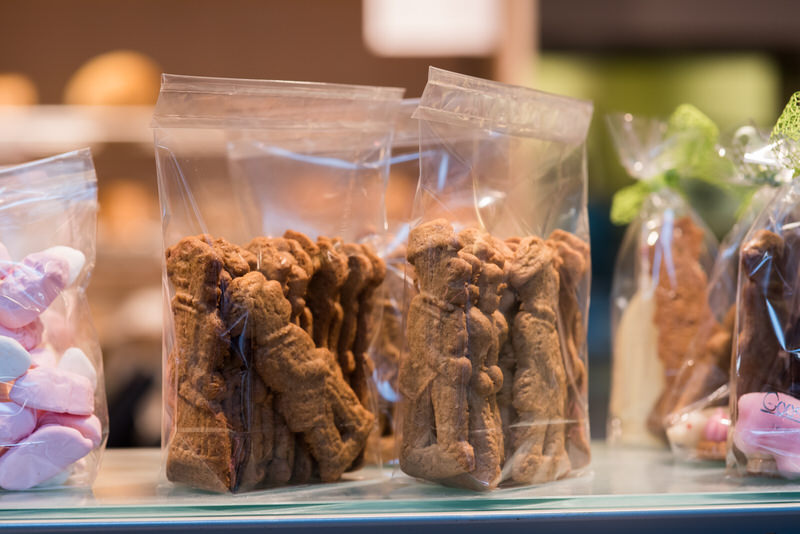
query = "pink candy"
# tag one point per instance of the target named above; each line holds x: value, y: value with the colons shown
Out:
x: 88, y: 426
x: 30, y: 287
x: 16, y: 422
x: 54, y: 390
x: 29, y: 336
x: 716, y: 428
x: 769, y: 424
x: 46, y: 453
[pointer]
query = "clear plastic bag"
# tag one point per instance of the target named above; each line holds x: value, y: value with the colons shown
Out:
x: 659, y: 289
x: 398, y: 286
x: 53, y: 412
x: 494, y: 385
x: 699, y: 418
x: 765, y: 375
x: 273, y: 201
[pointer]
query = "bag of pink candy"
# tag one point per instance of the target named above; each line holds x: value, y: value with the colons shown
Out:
x: 53, y: 414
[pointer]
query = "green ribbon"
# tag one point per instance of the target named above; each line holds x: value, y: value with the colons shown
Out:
x: 693, y: 137
x: 627, y: 201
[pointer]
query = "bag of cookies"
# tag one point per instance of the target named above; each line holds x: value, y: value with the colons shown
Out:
x: 273, y: 202
x: 53, y: 414
x: 697, y: 402
x: 659, y: 288
x: 494, y: 384
x: 765, y: 376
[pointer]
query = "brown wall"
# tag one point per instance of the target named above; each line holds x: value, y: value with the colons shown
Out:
x: 315, y: 40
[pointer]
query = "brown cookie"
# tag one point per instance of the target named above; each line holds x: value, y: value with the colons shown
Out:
x: 311, y: 395
x: 540, y: 386
x: 573, y: 270
x: 681, y: 307
x: 434, y: 378
x: 200, y: 443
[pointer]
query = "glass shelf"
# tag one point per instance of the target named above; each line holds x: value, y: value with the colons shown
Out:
x: 622, y: 488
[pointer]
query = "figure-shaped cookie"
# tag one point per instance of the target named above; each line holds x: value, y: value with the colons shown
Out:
x: 284, y: 260
x: 330, y: 272
x: 434, y: 378
x: 507, y: 361
x: 236, y: 260
x: 487, y: 330
x: 681, y: 298
x: 199, y: 448
x: 313, y: 398
x: 573, y: 266
x: 540, y: 389
x: 366, y: 329
x: 359, y: 275
x: 706, y: 367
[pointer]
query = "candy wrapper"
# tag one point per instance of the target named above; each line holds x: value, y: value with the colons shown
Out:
x: 765, y: 376
x: 493, y: 387
x: 273, y: 202
x: 659, y: 289
x: 53, y: 413
x: 698, y: 420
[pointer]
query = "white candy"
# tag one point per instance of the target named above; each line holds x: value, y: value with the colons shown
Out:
x: 688, y: 430
x: 43, y: 357
x: 75, y: 361
x: 14, y: 359
x: 73, y: 257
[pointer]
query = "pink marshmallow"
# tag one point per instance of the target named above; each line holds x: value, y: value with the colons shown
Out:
x: 31, y: 287
x: 716, y: 428
x: 46, y: 452
x: 89, y: 426
x: 16, y: 422
x: 29, y: 336
x: 54, y: 390
x: 769, y: 424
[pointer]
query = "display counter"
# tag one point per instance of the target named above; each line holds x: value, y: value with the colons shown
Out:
x: 630, y: 490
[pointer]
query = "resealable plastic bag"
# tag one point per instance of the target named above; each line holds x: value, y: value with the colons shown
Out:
x: 53, y: 412
x: 272, y: 196
x: 765, y: 375
x: 699, y: 418
x: 398, y: 285
x: 659, y: 289
x: 494, y: 385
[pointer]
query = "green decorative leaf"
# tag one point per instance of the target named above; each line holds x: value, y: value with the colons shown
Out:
x: 686, y: 118
x: 788, y: 125
x: 696, y: 137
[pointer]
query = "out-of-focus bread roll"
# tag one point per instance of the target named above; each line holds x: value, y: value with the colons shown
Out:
x: 17, y: 90
x: 118, y: 78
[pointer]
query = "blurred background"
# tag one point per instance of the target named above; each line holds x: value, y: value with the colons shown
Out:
x: 86, y: 73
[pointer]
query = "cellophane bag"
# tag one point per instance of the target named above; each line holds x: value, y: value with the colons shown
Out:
x: 659, y: 288
x: 398, y: 285
x: 53, y: 414
x: 272, y: 196
x: 494, y: 384
x: 765, y: 375
x: 698, y: 419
